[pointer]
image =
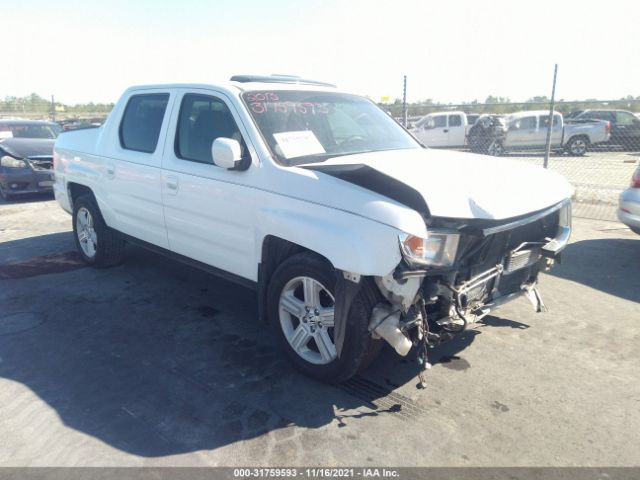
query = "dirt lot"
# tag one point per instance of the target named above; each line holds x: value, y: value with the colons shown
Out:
x: 155, y: 363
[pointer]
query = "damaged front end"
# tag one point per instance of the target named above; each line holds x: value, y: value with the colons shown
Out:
x: 464, y: 269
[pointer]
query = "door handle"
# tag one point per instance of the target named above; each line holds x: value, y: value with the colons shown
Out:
x: 111, y: 171
x: 172, y: 184
x: 446, y: 130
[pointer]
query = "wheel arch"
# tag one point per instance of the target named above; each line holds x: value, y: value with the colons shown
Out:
x: 275, y: 250
x: 584, y: 136
x: 75, y: 190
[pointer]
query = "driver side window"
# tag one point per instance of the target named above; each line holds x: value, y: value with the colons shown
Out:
x: 440, y: 121
x: 202, y: 119
x: 526, y: 123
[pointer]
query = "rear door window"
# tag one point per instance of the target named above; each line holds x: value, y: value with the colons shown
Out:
x: 142, y: 120
x: 455, y: 120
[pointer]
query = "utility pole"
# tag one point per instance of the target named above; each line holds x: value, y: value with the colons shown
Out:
x: 550, y: 125
x: 404, y: 102
x: 53, y: 109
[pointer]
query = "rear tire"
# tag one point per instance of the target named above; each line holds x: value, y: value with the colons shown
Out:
x: 293, y: 315
x: 99, y: 245
x: 577, y: 146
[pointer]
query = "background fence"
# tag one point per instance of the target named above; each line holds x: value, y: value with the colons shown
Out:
x: 598, y: 176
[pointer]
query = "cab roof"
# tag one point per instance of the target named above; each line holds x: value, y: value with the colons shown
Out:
x: 243, y: 83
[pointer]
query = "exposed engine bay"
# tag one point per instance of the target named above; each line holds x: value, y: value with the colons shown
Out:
x: 495, y: 263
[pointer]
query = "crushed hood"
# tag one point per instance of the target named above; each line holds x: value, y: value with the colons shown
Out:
x: 453, y: 184
x: 27, y: 147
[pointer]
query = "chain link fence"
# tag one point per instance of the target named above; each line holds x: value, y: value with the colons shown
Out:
x: 594, y: 144
x: 608, y: 131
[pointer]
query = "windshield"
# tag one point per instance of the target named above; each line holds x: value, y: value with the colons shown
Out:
x: 308, y: 127
x: 26, y: 130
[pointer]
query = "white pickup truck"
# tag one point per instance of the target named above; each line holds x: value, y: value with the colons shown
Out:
x: 444, y: 129
x: 350, y: 231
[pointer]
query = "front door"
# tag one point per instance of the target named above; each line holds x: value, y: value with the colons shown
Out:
x: 434, y: 132
x: 522, y: 132
x: 209, y: 211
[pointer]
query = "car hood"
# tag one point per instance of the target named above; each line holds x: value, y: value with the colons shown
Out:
x: 27, y: 147
x: 454, y: 184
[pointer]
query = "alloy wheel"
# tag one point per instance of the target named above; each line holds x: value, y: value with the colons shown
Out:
x: 306, y: 312
x: 87, y: 236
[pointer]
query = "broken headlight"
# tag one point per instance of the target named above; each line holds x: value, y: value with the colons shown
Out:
x: 437, y: 250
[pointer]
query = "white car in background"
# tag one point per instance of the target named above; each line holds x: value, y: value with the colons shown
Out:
x: 444, y: 129
x: 350, y: 231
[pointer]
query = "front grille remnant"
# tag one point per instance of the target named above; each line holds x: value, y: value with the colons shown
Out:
x: 41, y: 163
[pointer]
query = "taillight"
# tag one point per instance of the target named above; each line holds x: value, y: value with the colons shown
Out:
x: 607, y: 129
x: 635, y: 179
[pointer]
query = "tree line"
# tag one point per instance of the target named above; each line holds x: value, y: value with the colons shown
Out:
x: 504, y: 105
x: 34, y: 103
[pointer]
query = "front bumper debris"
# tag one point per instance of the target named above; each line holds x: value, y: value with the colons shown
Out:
x: 498, y: 264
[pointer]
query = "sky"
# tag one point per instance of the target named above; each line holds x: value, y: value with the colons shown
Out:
x: 451, y: 51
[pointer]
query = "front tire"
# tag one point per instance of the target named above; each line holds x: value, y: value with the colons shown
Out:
x: 495, y: 148
x: 300, y: 307
x: 7, y: 197
x: 98, y: 245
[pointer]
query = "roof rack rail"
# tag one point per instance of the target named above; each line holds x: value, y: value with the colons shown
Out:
x: 278, y: 79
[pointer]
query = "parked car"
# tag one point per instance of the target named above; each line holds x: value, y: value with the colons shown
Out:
x: 528, y: 131
x: 26, y: 156
x: 485, y: 131
x: 629, y: 204
x: 78, y: 124
x: 442, y: 129
x: 625, y: 127
x: 351, y: 232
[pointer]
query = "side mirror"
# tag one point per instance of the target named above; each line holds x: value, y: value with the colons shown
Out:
x: 226, y: 152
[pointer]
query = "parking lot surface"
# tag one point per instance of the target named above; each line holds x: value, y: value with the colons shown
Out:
x: 156, y: 363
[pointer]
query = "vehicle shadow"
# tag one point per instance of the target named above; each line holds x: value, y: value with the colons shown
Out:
x: 610, y: 265
x: 43, y: 245
x: 156, y: 358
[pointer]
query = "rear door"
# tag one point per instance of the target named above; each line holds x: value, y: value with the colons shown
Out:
x: 209, y: 211
x: 457, y: 130
x: 132, y: 166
